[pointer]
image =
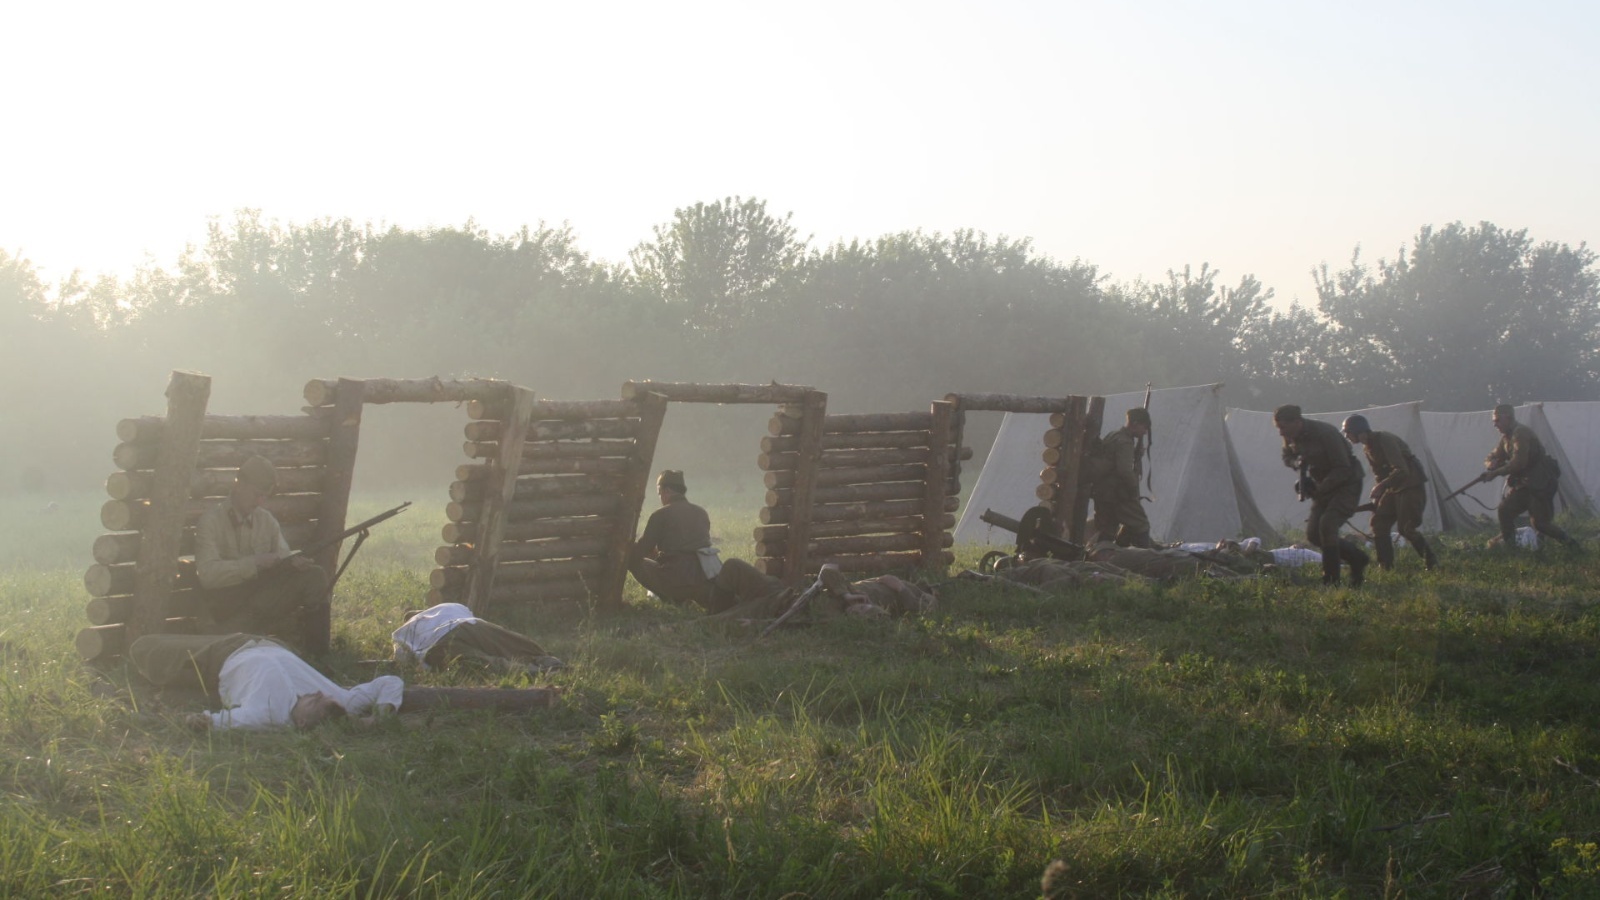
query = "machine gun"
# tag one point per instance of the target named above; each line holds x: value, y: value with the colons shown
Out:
x: 1036, y: 534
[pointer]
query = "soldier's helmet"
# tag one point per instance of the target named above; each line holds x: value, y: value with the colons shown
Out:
x: 1356, y: 425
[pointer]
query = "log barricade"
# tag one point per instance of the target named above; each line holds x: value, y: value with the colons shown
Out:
x: 562, y: 495
x: 881, y: 495
x: 139, y: 520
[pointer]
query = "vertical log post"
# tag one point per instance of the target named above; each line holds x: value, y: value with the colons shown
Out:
x: 156, y: 570
x: 1069, y: 462
x: 1078, y: 521
x: 344, y: 436
x: 501, y: 486
x: 813, y: 410
x: 940, y: 434
x: 652, y: 412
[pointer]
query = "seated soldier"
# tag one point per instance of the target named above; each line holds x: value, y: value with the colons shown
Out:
x: 250, y: 582
x: 256, y: 682
x: 440, y: 635
x: 673, y: 557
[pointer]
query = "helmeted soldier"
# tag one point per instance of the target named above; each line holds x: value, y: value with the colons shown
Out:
x: 1532, y: 478
x: 1398, y: 494
x: 1331, y: 479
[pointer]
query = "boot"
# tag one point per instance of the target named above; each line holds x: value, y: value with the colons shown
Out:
x: 1358, y: 562
x: 1430, y: 560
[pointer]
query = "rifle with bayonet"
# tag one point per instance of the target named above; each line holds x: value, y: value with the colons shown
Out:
x: 360, y: 530
x: 1485, y: 478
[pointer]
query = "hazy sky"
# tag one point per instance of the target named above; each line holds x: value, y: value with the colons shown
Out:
x: 1261, y: 137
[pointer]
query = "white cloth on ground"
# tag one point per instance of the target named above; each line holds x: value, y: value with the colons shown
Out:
x: 260, y: 683
x: 421, y: 632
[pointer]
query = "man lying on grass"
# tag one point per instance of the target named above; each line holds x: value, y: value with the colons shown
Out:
x: 257, y: 682
x: 441, y: 635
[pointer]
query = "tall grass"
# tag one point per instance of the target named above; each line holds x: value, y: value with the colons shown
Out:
x: 1430, y: 735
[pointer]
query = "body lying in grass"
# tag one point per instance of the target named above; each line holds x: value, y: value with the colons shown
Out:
x: 880, y: 597
x: 256, y: 682
x: 442, y: 635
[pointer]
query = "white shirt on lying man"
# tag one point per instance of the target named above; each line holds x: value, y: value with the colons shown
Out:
x: 264, y: 685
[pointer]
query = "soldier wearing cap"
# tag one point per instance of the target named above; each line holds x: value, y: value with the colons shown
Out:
x: 249, y: 580
x: 674, y: 559
x: 1118, y: 509
x: 1532, y: 478
x: 1398, y: 496
x: 1335, y: 488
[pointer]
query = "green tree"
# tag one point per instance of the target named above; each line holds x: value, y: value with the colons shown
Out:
x: 717, y: 264
x: 1469, y: 316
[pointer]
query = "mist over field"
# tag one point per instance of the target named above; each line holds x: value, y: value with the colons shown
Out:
x: 1461, y: 317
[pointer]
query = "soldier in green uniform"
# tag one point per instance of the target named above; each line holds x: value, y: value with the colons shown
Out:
x: 1398, y: 495
x: 1532, y: 478
x: 1117, y: 469
x: 1332, y: 481
x: 674, y: 558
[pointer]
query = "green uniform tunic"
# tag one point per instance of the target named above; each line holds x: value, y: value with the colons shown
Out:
x: 1335, y: 493
x: 1400, y: 495
x: 1118, y: 512
x: 1532, y: 479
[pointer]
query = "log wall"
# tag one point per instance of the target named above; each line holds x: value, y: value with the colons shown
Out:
x: 882, y: 496
x: 298, y: 446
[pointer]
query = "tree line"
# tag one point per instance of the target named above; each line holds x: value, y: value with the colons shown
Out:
x: 1463, y: 317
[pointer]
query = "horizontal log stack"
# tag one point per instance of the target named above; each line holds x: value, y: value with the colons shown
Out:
x: 152, y: 511
x: 547, y: 509
x: 883, y: 491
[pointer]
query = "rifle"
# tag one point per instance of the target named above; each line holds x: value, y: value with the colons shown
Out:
x: 360, y: 529
x: 1481, y: 479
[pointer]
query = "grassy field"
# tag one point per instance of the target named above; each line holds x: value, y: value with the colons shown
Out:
x: 1429, y: 736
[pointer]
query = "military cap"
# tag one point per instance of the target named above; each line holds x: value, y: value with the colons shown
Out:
x: 1356, y: 424
x: 1288, y: 412
x: 672, y: 478
x: 1138, y: 415
x: 258, y: 472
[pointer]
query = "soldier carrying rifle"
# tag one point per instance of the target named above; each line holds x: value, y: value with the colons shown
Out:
x: 1398, y: 496
x: 1532, y: 478
x: 1331, y: 477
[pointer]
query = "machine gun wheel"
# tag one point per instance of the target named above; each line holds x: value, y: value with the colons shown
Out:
x: 994, y: 561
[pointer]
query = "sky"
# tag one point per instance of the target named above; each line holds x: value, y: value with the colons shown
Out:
x: 1262, y: 138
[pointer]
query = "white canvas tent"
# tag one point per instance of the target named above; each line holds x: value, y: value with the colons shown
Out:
x: 1576, y: 425
x: 1196, y: 492
x: 1255, y: 437
x: 1462, y: 440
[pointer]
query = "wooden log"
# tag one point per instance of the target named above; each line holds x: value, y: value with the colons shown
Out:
x: 716, y: 393
x: 846, y: 423
x: 612, y: 459
x: 543, y: 508
x: 857, y: 493
x: 636, y: 484
x: 867, y: 543
x: 147, y: 429
x: 1077, y: 522
x: 514, y: 573
x: 344, y: 439
x: 99, y: 642
x: 555, y: 429
x: 509, y: 700
x: 558, y: 409
x: 535, y: 487
x: 941, y: 433
x: 524, y: 551
x: 228, y: 454
x: 856, y: 475
x: 211, y: 483
x: 156, y: 571
x: 571, y: 526
x: 135, y: 515
x: 184, y: 603
x: 111, y: 549
x: 323, y: 391
x: 861, y: 440
x: 839, y: 459
x: 104, y: 581
x: 902, y: 525
x: 1017, y: 403
x: 804, y: 494
x: 497, y: 500
x: 850, y: 512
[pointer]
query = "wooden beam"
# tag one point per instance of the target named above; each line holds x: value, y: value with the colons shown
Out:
x: 1079, y: 519
x: 497, y: 499
x: 187, y: 395
x: 344, y: 437
x: 635, y: 485
x: 940, y: 434
x: 813, y: 410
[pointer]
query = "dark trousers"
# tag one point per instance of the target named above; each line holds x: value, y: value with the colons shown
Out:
x: 1402, y: 509
x: 1119, y: 516
x: 1322, y: 531
x: 185, y: 661
x: 1541, y: 509
x: 484, y: 642
x: 677, y: 578
x: 284, y: 601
